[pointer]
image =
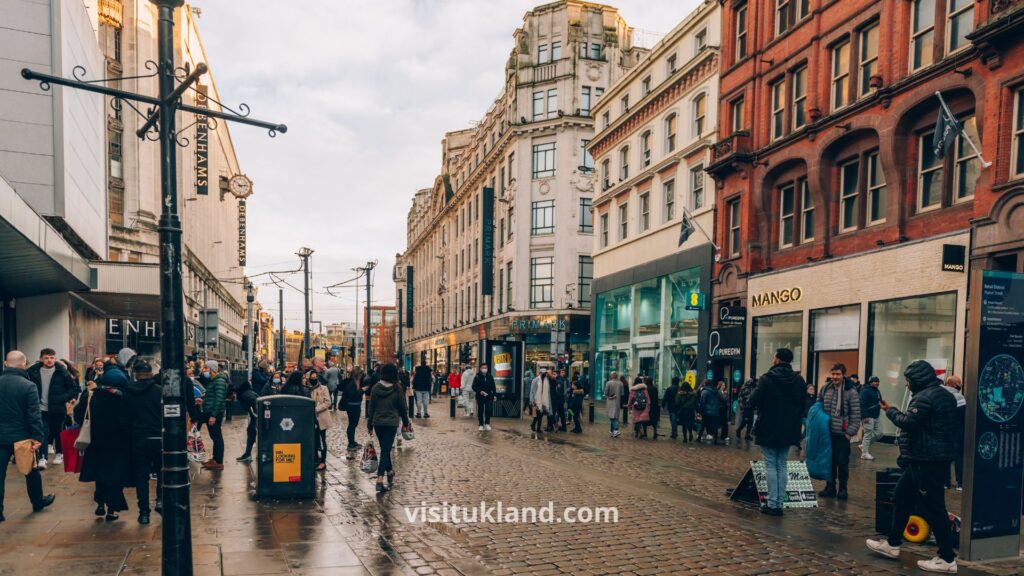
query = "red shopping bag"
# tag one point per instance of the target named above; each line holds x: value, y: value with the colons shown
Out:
x: 72, y: 459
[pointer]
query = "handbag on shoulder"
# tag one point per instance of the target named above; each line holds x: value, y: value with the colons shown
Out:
x: 85, y: 432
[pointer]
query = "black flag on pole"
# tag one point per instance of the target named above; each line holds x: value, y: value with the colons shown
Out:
x: 686, y: 228
x: 946, y: 130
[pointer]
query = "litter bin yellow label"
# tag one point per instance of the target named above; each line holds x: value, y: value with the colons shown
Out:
x: 287, y: 462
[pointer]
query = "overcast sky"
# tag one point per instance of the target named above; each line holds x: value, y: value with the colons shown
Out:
x: 367, y: 88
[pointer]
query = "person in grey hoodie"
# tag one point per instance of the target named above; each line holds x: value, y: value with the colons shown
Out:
x: 842, y: 402
x: 386, y: 409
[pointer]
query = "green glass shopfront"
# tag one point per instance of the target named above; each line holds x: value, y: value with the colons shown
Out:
x: 642, y: 325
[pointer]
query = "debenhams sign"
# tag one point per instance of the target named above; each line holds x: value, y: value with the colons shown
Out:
x: 784, y: 296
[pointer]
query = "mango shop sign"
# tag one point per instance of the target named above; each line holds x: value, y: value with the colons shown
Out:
x: 544, y: 324
x: 783, y: 296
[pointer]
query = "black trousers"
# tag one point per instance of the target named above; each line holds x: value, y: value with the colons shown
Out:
x: 386, y: 437
x: 558, y: 411
x: 146, y: 459
x: 483, y: 410
x: 110, y: 496
x: 840, y: 460
x: 920, y: 491
x: 353, y: 410
x: 250, y: 433
x: 33, y: 482
x: 53, y: 425
x: 577, y: 417
x: 321, y: 445
x: 747, y: 422
x: 217, y: 435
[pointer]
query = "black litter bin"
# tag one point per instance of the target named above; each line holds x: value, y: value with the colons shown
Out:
x: 285, y: 447
x: 885, y: 483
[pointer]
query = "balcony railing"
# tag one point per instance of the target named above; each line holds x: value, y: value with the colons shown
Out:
x: 736, y: 144
x: 545, y: 72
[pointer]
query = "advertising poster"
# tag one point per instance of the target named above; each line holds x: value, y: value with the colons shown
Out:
x: 998, y: 466
x: 503, y: 363
x: 287, y: 462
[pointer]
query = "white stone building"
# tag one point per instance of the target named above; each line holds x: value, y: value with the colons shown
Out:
x: 527, y: 160
x: 652, y: 146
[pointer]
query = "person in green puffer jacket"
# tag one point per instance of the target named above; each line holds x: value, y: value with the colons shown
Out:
x: 214, y: 403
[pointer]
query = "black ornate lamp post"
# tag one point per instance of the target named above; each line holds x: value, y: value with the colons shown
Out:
x: 177, y: 531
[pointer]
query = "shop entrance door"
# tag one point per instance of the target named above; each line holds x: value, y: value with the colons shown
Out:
x: 648, y: 364
x: 824, y: 361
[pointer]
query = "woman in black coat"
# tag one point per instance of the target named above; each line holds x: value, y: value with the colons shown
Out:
x: 652, y: 391
x: 106, y: 459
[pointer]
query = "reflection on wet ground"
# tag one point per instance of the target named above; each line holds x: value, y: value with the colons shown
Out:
x: 674, y: 516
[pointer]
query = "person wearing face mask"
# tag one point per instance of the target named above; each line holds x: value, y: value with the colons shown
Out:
x: 483, y: 388
x: 273, y: 386
x: 320, y: 394
x: 214, y: 404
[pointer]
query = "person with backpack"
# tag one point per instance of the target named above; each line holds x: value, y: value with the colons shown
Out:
x: 746, y: 410
x: 842, y: 404
x: 710, y: 405
x: 778, y: 400
x: 640, y: 409
x: 686, y: 407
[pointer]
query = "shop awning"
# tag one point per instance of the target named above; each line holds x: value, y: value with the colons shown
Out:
x: 34, y: 258
x: 126, y: 290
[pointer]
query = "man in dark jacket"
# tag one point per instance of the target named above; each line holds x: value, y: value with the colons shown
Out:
x: 483, y: 389
x: 422, y: 383
x: 870, y: 410
x: 927, y: 447
x: 214, y: 404
x: 20, y: 419
x: 710, y: 405
x: 842, y: 403
x: 668, y: 403
x: 142, y: 398
x: 559, y: 388
x: 56, y: 387
x: 779, y: 402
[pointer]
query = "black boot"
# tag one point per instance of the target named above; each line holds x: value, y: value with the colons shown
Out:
x: 829, y: 491
x: 842, y: 494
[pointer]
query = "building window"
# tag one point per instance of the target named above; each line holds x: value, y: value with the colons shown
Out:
x: 538, y: 105
x: 544, y: 160
x: 606, y: 182
x: 501, y: 289
x: 114, y: 152
x: 778, y: 110
x: 645, y: 148
x: 586, y: 216
x: 542, y: 278
x: 734, y: 227
x: 959, y: 23
x: 670, y: 65
x: 624, y: 164
x: 922, y: 43
x: 586, y: 278
x: 787, y: 209
x: 501, y: 233
x: 736, y: 112
x: 556, y: 51
x: 511, y: 167
x: 668, y: 190
x: 542, y: 54
x: 595, y: 51
x: 849, y: 187
x: 552, y: 103
x: 508, y: 284
x: 697, y: 186
x: 117, y: 44
x: 806, y: 213
x: 116, y: 208
x: 543, y: 221
x: 840, y: 75
x: 604, y: 230
x: 799, y: 83
x: 876, y: 190
x: 929, y: 175
x: 788, y: 13
x: 588, y: 160
x: 623, y: 221
x: 670, y: 133
x: 740, y: 24
x: 606, y: 119
x: 700, y: 40
x: 1017, y: 146
x: 699, y: 112
x: 644, y: 212
x: 968, y: 165
x: 645, y: 87
x: 624, y: 101
x: 585, y: 101
x: 868, y: 59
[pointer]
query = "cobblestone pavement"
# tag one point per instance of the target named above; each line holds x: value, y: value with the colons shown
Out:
x: 674, y: 516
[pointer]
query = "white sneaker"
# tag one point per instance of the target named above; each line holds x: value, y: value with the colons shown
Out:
x: 480, y: 428
x: 51, y: 449
x: 58, y: 460
x: 41, y: 464
x: 883, y: 548
x: 487, y: 427
x: 866, y: 456
x: 616, y: 434
x: 937, y: 565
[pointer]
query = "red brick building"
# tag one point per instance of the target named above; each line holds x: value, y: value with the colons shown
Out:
x: 834, y: 216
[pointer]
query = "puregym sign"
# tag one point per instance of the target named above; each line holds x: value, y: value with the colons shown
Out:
x: 784, y: 296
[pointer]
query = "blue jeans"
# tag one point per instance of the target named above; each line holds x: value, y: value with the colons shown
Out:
x: 673, y: 419
x: 776, y: 474
x: 422, y: 400
x: 614, y: 424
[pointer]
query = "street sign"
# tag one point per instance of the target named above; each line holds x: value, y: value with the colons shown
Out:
x: 732, y: 316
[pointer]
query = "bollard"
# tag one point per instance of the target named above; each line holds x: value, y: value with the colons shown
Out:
x: 590, y: 416
x: 451, y: 407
